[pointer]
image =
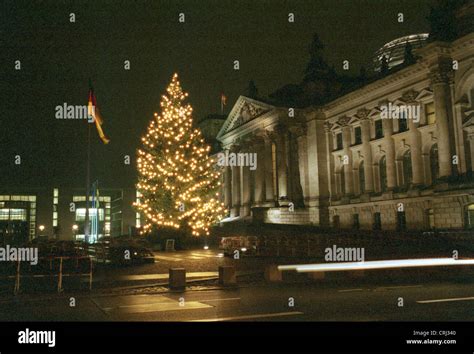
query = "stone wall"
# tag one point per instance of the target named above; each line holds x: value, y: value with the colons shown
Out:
x: 448, y: 212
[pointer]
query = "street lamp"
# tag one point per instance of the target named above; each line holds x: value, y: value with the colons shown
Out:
x: 74, y: 230
x: 41, y: 229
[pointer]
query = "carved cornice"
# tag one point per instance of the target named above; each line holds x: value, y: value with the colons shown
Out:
x: 441, y: 77
x: 363, y: 114
x: 270, y: 135
x: 410, y: 96
x: 281, y: 129
x: 298, y: 129
x: 443, y: 73
x: 343, y: 121
x: 328, y: 126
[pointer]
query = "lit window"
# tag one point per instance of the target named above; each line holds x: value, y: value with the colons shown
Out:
x: 430, y: 113
x: 81, y: 214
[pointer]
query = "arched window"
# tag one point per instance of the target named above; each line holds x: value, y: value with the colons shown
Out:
x: 361, y: 178
x: 383, y: 174
x: 434, y: 163
x: 407, y: 172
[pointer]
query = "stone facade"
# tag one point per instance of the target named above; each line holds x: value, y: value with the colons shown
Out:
x: 346, y: 164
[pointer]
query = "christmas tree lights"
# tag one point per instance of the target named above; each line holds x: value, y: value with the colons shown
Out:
x: 177, y: 179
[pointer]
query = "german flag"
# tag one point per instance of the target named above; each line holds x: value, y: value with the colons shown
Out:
x: 93, y: 111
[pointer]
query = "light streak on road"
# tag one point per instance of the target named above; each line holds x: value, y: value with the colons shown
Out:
x: 385, y: 264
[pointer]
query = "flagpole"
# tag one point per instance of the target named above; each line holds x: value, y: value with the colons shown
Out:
x: 88, y: 176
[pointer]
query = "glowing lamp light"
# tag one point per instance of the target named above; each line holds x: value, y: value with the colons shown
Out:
x: 41, y: 227
x: 206, y: 247
x: 75, y: 227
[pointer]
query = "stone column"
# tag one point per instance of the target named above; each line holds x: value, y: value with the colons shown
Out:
x: 296, y: 165
x: 440, y: 79
x: 346, y: 145
x: 470, y: 136
x: 415, y: 140
x: 228, y: 187
x: 366, y: 150
x: 389, y: 153
x: 282, y: 167
x: 330, y: 160
x: 259, y: 173
x: 269, y: 195
x: 236, y: 189
x: 245, y: 182
x: 458, y: 117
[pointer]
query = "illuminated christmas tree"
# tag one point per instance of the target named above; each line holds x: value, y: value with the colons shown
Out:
x: 177, y: 179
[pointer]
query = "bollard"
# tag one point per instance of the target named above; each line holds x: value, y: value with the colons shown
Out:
x: 177, y: 278
x: 272, y: 274
x: 227, y: 275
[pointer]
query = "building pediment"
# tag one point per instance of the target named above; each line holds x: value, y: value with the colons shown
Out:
x: 424, y: 94
x: 244, y: 110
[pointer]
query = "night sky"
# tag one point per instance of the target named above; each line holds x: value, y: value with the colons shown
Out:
x: 58, y: 58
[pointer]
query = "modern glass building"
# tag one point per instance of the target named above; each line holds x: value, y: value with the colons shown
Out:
x: 60, y: 213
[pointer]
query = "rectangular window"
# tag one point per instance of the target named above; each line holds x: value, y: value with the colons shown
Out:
x: 402, y: 123
x: 358, y: 135
x: 377, y: 221
x: 378, y: 129
x: 430, y: 113
x: 401, y: 221
x: 336, y: 221
x: 13, y: 214
x: 55, y: 206
x: 355, y: 221
x: 81, y: 214
x: 429, y: 219
x: 338, y: 141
